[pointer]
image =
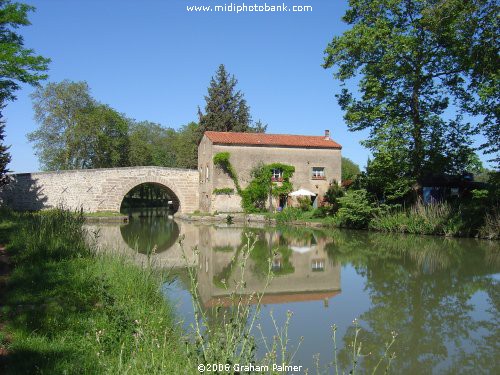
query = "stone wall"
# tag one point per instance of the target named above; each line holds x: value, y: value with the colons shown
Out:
x: 97, y: 189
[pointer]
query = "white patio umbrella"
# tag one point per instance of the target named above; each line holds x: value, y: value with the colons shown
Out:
x: 302, y: 193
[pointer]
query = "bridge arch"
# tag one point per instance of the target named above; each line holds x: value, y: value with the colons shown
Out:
x: 163, y: 182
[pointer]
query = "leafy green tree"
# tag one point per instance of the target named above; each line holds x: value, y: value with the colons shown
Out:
x: 4, y: 154
x: 349, y: 169
x: 151, y: 144
x: 407, y: 79
x: 76, y: 131
x: 186, y: 146
x: 226, y: 109
x: 17, y: 63
x: 356, y: 209
x: 100, y: 139
x: 469, y: 31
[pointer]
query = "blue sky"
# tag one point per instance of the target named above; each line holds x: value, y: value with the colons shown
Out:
x: 153, y: 60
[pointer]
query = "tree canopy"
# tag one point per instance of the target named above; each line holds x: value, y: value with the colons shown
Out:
x: 75, y: 130
x: 226, y: 109
x: 409, y: 82
x: 349, y: 169
x: 17, y: 63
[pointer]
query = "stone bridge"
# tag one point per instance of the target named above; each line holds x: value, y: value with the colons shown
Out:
x: 98, y: 189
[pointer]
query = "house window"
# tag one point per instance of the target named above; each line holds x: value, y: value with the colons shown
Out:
x: 277, y: 174
x: 318, y: 173
x: 207, y: 175
x: 318, y: 265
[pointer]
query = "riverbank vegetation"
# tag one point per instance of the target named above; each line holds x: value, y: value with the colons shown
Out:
x: 475, y: 215
x: 69, y: 308
x: 72, y: 310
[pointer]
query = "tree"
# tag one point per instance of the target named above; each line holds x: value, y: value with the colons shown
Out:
x: 151, y: 144
x: 469, y: 31
x: 226, y: 110
x: 75, y: 130
x: 17, y: 64
x: 100, y: 138
x: 349, y: 169
x: 4, y: 154
x: 186, y: 146
x: 408, y: 79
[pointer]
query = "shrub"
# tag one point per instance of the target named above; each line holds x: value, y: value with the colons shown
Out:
x: 332, y: 195
x: 304, y: 203
x: 289, y: 214
x: 356, y: 209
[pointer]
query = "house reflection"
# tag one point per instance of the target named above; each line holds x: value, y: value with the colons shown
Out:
x: 299, y: 263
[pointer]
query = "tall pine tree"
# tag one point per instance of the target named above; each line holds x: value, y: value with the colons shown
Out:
x: 226, y: 109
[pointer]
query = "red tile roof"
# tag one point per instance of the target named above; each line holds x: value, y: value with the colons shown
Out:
x: 262, y: 139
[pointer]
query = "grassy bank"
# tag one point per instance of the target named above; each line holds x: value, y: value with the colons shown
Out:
x: 71, y: 310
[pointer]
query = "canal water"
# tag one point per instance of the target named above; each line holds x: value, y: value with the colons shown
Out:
x: 440, y: 295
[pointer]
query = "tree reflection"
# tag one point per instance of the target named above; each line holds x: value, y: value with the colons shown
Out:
x: 423, y: 288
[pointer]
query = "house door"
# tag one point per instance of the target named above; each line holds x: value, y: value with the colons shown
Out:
x: 283, y: 199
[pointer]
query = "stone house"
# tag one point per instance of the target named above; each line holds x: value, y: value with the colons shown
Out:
x: 317, y: 162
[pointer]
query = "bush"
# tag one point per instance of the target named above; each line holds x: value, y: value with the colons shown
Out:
x: 356, y: 209
x: 289, y: 214
x: 332, y: 195
x: 304, y: 203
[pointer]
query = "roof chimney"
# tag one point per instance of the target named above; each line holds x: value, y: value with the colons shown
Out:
x: 327, y: 135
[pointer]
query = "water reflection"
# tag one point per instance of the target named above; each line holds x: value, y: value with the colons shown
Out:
x: 441, y: 295
x: 300, y: 266
x: 150, y: 229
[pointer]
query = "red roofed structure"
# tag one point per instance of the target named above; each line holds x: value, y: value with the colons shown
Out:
x: 262, y: 139
x: 316, y: 159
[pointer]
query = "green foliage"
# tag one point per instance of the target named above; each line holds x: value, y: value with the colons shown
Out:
x: 151, y: 144
x: 4, y: 154
x: 349, y: 169
x: 72, y: 310
x: 331, y: 197
x: 305, y: 203
x: 221, y: 160
x: 418, y: 219
x: 387, y: 178
x: 185, y: 145
x: 468, y: 32
x: 407, y: 78
x: 17, y: 63
x: 356, y: 209
x: 256, y: 194
x: 76, y: 131
x: 226, y: 110
x: 289, y: 214
x: 222, y: 191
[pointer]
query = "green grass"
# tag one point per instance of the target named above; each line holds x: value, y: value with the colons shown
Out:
x: 71, y: 310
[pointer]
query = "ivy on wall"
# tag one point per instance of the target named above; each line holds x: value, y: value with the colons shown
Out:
x: 221, y: 159
x: 255, y: 196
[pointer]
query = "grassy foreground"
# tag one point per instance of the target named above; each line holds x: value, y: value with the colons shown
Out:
x: 70, y: 310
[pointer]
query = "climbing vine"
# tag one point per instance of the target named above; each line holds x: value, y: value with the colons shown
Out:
x: 255, y: 196
x: 221, y: 159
